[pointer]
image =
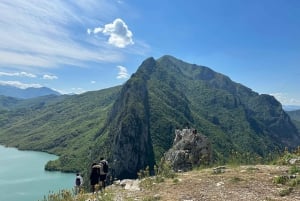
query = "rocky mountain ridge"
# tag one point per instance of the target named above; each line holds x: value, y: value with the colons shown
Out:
x: 166, y: 93
x: 133, y: 125
x: 27, y: 93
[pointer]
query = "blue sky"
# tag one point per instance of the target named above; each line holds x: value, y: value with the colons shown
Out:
x: 75, y: 46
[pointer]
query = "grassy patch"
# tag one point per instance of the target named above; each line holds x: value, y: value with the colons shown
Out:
x: 236, y: 179
x: 252, y: 169
x: 281, y: 179
x: 151, y: 198
x: 285, y: 192
x: 294, y: 169
x: 67, y: 195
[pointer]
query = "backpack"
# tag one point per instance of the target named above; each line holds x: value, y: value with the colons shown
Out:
x: 105, y: 166
x: 78, y: 182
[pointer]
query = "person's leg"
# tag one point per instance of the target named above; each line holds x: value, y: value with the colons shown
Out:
x: 103, y: 184
x: 76, y: 190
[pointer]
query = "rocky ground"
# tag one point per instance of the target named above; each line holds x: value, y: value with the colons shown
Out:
x: 234, y: 184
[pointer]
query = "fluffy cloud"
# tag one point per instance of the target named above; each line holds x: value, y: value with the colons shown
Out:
x: 123, y: 74
x: 50, y: 77
x: 97, y: 30
x: 19, y: 84
x: 18, y: 74
x: 118, y: 32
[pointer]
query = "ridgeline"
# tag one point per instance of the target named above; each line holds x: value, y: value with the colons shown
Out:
x: 133, y: 125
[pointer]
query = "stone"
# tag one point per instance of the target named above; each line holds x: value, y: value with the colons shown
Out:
x: 190, y: 149
x: 129, y: 184
x: 218, y: 170
x: 295, y: 161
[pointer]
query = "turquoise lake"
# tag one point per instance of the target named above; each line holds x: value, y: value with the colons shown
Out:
x: 23, y: 178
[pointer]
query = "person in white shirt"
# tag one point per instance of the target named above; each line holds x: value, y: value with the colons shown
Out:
x: 78, y: 183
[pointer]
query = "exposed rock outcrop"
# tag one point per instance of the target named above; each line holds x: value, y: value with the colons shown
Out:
x: 190, y: 149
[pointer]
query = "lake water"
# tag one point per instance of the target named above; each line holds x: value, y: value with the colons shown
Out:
x: 23, y: 178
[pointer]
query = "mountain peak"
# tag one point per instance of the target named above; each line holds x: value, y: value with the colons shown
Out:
x: 26, y: 93
x: 134, y: 125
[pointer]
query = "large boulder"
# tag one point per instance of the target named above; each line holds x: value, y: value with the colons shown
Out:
x: 190, y: 149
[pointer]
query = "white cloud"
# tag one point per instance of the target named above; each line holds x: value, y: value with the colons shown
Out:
x: 89, y: 31
x: 42, y: 35
x: 93, y: 82
x: 19, y: 84
x: 50, y: 77
x: 118, y: 32
x: 18, y: 74
x: 123, y: 74
x: 78, y: 90
x: 97, y: 30
x: 286, y: 99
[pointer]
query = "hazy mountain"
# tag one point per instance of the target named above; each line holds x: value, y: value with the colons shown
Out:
x: 295, y: 116
x: 133, y: 125
x: 30, y: 92
x: 291, y: 107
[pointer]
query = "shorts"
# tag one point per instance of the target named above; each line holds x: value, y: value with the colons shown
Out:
x: 103, y: 177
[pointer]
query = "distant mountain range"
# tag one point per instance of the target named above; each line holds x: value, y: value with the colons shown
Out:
x: 295, y: 116
x: 291, y: 107
x: 133, y: 125
x: 30, y: 92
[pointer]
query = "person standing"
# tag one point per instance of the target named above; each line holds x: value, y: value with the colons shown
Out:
x: 94, y: 176
x: 78, y: 183
x: 103, y: 172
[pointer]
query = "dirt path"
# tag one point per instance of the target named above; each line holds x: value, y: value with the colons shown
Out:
x: 244, y: 183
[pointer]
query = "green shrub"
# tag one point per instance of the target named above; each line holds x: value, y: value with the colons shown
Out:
x: 64, y: 195
x: 165, y: 170
x: 236, y: 179
x: 159, y: 179
x: 175, y: 180
x: 67, y: 195
x: 285, y: 191
x: 147, y: 183
x: 294, y: 169
x: 144, y: 173
x: 281, y: 180
x: 151, y: 198
x: 286, y: 156
x: 294, y: 182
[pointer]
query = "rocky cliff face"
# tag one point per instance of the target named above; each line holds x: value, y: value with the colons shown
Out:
x: 190, y: 149
x: 166, y: 93
x: 129, y: 134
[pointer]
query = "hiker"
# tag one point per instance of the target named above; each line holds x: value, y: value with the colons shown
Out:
x: 94, y: 176
x: 103, y: 172
x: 78, y: 183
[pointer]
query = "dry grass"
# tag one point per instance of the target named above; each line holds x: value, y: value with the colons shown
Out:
x: 248, y: 183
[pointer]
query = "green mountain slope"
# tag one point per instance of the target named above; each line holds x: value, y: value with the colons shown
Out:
x: 168, y: 93
x: 133, y: 125
x: 63, y: 125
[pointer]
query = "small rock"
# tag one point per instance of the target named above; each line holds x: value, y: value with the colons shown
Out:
x: 220, y: 183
